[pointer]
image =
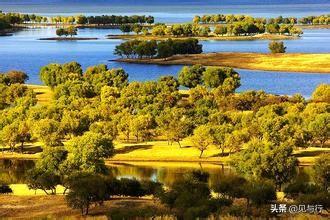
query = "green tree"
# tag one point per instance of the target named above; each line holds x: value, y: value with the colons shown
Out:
x: 61, y: 32
x: 126, y: 28
x: 141, y: 126
x: 260, y: 192
x: 231, y: 186
x: 86, y: 189
x: 9, y: 135
x: 72, y: 31
x: 54, y: 74
x: 137, y: 29
x: 266, y: 160
x: 188, y: 196
x: 150, y: 19
x: 295, y: 31
x: 197, y: 19
x: 24, y: 133
x: 219, y: 134
x: 44, y: 180
x: 321, y: 93
x: 74, y: 123
x: 81, y: 19
x: 47, y: 173
x: 48, y: 132
x: 220, y: 30
x: 107, y: 128
x: 17, y: 77
x: 124, y: 125
x: 213, y: 77
x: 321, y: 170
x: 51, y: 160
x: 236, y: 139
x: 173, y: 124
x: 202, y: 138
x: 320, y: 128
x: 272, y: 28
x: 87, y: 152
x: 204, y: 31
x: 164, y: 50
x: 276, y: 47
x: 191, y: 76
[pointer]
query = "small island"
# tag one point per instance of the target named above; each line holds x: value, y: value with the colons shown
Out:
x: 253, y: 61
x: 245, y: 30
x: 63, y: 34
x: 69, y: 38
x: 264, y: 36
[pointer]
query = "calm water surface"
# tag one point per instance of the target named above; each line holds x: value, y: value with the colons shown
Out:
x: 169, y: 12
x: 14, y: 172
x: 23, y: 51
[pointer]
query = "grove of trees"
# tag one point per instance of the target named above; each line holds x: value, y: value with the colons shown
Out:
x: 163, y: 49
x: 232, y: 18
x: 71, y: 30
x: 241, y: 28
x: 19, y: 18
x: 94, y: 108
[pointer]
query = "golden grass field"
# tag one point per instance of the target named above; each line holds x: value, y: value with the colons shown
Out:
x: 55, y: 207
x: 211, y: 37
x: 160, y: 152
x: 291, y: 62
x: 43, y: 93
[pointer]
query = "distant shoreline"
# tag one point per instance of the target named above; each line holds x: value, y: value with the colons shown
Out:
x: 68, y: 38
x: 216, y: 38
x: 288, y: 62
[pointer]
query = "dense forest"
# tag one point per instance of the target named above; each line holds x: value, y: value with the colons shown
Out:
x: 91, y: 109
x: 245, y: 28
x: 232, y: 18
x: 90, y: 112
x: 18, y: 18
x: 162, y: 49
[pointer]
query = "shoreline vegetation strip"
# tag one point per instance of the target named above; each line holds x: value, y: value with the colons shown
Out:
x: 288, y: 62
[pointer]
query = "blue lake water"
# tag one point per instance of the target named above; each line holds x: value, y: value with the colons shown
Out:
x: 23, y: 51
x: 170, y: 11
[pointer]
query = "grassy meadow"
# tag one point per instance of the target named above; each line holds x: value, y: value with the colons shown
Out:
x: 43, y: 93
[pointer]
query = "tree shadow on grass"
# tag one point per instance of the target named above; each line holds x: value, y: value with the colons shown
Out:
x: 27, y: 149
x: 128, y: 149
x: 39, y: 93
x: 30, y: 149
x: 310, y: 153
x: 226, y: 154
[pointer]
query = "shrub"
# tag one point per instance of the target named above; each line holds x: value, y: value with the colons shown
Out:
x: 322, y: 198
x: 86, y: 189
x: 322, y: 93
x: 276, y: 47
x: 293, y: 190
x: 5, y: 189
x: 231, y: 186
x: 46, y: 181
x: 321, y: 170
x: 260, y: 192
